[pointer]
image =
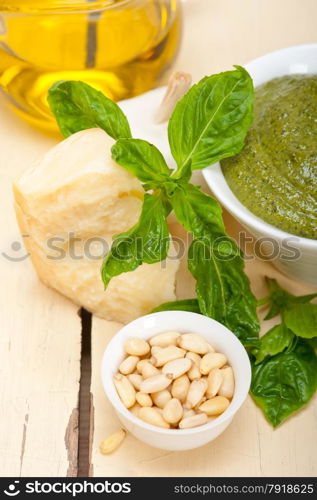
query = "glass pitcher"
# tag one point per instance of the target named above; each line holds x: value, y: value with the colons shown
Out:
x: 121, y: 47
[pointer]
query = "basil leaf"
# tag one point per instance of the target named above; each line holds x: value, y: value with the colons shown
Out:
x: 302, y: 320
x: 197, y: 212
x: 284, y: 383
x: 141, y: 159
x: 313, y: 342
x: 223, y: 290
x: 190, y: 305
x: 78, y: 106
x: 148, y: 241
x: 273, y: 342
x: 211, y: 121
x: 280, y: 299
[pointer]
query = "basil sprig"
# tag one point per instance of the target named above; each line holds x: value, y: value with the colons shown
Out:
x: 284, y: 360
x: 209, y: 123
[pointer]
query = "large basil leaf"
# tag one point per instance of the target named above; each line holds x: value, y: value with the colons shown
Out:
x: 148, y: 241
x: 284, y: 383
x: 78, y: 106
x: 223, y: 290
x: 273, y: 342
x: 141, y: 159
x: 302, y: 320
x: 280, y: 300
x: 211, y: 121
x: 197, y: 212
x: 190, y: 305
x: 313, y: 342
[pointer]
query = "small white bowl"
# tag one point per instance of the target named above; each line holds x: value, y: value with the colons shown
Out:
x: 298, y: 59
x: 219, y: 336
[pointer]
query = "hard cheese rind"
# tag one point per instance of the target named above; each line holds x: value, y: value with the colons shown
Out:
x: 69, y: 205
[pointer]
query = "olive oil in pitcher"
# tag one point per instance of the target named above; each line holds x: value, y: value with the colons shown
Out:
x: 121, y: 47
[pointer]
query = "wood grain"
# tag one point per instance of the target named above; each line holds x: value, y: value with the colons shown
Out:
x: 40, y: 338
x: 216, y: 36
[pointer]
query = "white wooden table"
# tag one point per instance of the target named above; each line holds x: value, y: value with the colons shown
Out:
x: 41, y: 332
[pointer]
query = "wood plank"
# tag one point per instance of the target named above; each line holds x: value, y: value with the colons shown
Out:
x: 40, y: 338
x: 222, y: 34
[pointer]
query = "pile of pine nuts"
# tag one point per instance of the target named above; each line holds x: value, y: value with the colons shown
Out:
x: 174, y: 380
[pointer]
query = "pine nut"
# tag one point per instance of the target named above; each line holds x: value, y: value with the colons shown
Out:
x: 135, y: 380
x: 177, y: 367
x: 214, y: 406
x: 128, y: 365
x: 159, y: 410
x: 180, y: 388
x: 193, y: 421
x: 193, y: 342
x: 173, y: 411
x: 167, y: 354
x: 125, y: 390
x: 164, y: 339
x: 188, y: 413
x: 135, y: 409
x: 143, y: 399
x: 210, y: 348
x: 214, y: 382
x: 227, y: 386
x: 136, y: 346
x: 194, y: 372
x: 152, y: 416
x: 196, y: 359
x: 160, y: 398
x: 196, y: 392
x: 155, y: 384
x: 212, y: 360
x: 112, y: 442
x: 147, y: 369
x: 140, y: 364
x: 200, y: 402
x: 155, y: 349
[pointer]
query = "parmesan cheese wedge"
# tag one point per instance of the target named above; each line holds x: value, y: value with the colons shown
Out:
x: 70, y: 204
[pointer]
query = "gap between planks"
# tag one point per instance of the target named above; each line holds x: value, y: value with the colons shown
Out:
x: 85, y: 406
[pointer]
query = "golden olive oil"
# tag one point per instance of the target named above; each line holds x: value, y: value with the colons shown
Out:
x: 121, y: 47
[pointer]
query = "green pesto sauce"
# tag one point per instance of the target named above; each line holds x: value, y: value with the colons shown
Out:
x: 275, y: 175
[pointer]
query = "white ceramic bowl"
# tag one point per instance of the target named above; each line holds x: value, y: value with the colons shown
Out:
x: 299, y: 59
x: 219, y: 336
